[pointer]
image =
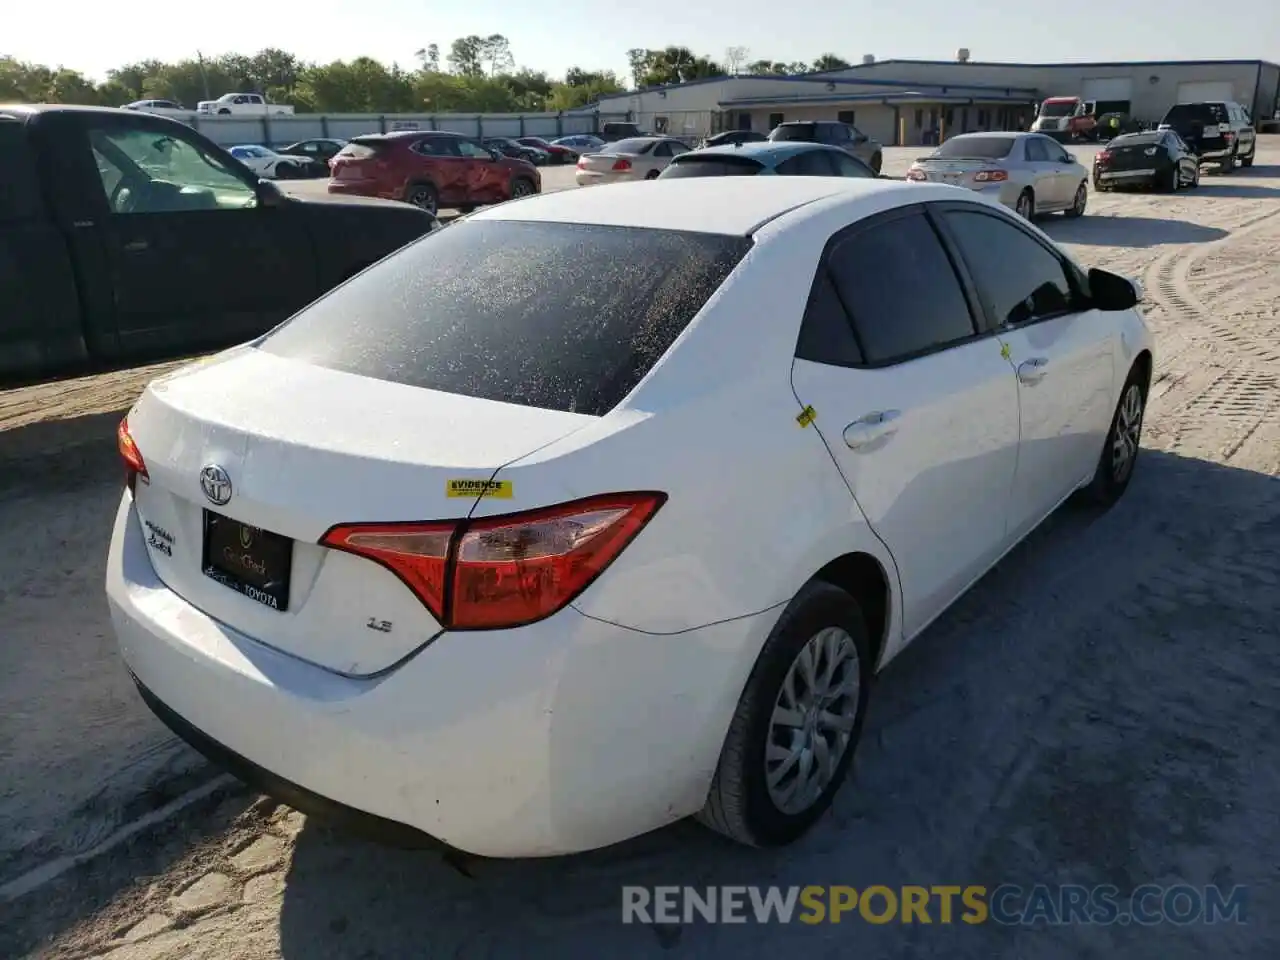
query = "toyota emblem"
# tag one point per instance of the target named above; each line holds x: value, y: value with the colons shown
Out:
x: 216, y: 484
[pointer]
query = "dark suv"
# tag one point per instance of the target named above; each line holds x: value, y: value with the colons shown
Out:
x: 845, y: 136
x: 1219, y: 131
x: 430, y: 169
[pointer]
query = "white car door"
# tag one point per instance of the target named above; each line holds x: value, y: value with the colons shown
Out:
x: 1062, y: 352
x: 918, y: 410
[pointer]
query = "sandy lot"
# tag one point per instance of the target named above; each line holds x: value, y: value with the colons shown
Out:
x: 1102, y: 708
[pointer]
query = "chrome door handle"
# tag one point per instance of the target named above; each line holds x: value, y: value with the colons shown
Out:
x: 1033, y: 370
x: 866, y: 430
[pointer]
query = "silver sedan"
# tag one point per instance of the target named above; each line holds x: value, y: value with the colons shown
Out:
x: 1027, y: 172
x: 636, y: 158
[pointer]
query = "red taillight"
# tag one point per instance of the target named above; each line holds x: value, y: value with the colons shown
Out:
x: 504, y: 571
x: 1228, y: 136
x: 991, y: 176
x: 134, y: 466
x: 582, y: 163
x: 917, y: 175
x: 622, y: 163
x: 1104, y: 155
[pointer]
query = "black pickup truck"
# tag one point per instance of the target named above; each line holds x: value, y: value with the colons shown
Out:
x: 128, y: 235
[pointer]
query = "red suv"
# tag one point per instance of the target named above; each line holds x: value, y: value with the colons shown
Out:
x: 430, y: 169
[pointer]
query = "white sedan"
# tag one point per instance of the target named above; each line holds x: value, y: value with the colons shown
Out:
x: 268, y: 163
x: 411, y: 555
x: 1029, y: 173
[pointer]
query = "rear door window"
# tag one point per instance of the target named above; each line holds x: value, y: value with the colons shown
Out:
x: 562, y: 316
x: 847, y: 166
x: 1037, y: 150
x: 900, y: 288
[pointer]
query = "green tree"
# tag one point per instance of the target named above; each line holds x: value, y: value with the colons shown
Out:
x: 829, y: 61
x: 466, y: 56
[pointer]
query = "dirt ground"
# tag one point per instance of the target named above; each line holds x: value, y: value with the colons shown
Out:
x: 1102, y: 708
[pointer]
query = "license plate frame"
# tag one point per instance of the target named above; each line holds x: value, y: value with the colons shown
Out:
x: 255, y: 563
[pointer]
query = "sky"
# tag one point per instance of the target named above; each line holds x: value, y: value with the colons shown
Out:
x: 595, y: 34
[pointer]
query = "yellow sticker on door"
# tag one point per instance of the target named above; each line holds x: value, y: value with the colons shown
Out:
x: 1005, y: 351
x: 807, y: 416
x: 500, y: 489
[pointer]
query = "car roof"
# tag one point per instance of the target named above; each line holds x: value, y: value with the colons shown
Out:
x: 768, y: 148
x: 723, y: 205
x: 997, y: 135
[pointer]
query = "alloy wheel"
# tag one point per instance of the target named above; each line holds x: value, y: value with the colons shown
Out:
x: 813, y: 720
x: 1128, y: 433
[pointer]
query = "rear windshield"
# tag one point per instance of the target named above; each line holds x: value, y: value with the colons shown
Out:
x: 632, y: 145
x: 803, y: 132
x: 1196, y: 113
x: 692, y: 165
x: 1135, y: 140
x: 362, y: 149
x: 975, y: 148
x: 563, y: 316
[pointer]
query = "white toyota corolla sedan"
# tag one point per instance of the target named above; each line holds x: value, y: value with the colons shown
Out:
x: 599, y: 509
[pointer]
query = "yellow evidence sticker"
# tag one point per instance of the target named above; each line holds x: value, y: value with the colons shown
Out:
x: 1005, y: 351
x: 501, y: 489
x: 807, y: 416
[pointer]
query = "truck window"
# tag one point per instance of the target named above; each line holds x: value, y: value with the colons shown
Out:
x: 145, y: 171
x: 19, y: 186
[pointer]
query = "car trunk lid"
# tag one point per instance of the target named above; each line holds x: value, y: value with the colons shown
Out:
x: 1132, y: 156
x: 251, y: 458
x: 959, y: 171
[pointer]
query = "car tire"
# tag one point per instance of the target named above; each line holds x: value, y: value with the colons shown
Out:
x: 877, y: 162
x: 1111, y: 479
x: 1247, y: 162
x: 223, y: 111
x: 423, y: 196
x: 522, y: 187
x: 653, y: 174
x: 1170, y: 183
x: 1227, y: 165
x: 1078, y: 205
x: 1025, y: 206
x: 821, y: 620
x: 1099, y: 185
x: 1195, y: 178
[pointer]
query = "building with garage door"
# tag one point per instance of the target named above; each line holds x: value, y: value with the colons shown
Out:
x: 910, y: 102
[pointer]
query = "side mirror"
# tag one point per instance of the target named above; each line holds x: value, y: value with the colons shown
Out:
x: 1068, y: 159
x: 1110, y: 291
x: 494, y: 154
x: 269, y: 195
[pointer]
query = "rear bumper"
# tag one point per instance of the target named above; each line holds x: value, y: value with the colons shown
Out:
x: 563, y: 736
x: 1126, y: 176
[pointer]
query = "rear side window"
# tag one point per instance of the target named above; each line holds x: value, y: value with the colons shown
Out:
x: 19, y: 185
x: 1017, y: 276
x: 562, y: 316
x: 694, y: 165
x: 900, y: 289
x: 811, y: 163
x: 847, y: 166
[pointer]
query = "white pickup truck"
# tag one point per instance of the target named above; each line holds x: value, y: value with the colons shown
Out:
x: 243, y: 105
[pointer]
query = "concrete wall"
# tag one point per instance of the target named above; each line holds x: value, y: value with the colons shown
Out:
x: 280, y: 131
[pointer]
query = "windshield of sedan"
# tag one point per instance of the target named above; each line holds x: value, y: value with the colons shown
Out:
x: 974, y: 148
x: 1058, y: 109
x: 562, y: 316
